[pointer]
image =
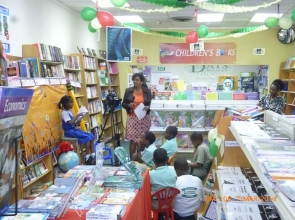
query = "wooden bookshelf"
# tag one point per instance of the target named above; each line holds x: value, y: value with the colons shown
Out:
x: 287, y: 75
x: 110, y: 81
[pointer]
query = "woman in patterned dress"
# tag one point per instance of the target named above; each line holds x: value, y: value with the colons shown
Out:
x: 273, y: 101
x: 133, y: 97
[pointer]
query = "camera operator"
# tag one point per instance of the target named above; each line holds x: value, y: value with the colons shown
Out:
x: 133, y: 97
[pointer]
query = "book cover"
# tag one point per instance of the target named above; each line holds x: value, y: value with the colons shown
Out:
x: 157, y: 119
x: 209, y: 118
x: 287, y: 187
x: 256, y: 216
x: 250, y: 208
x: 184, y: 119
x: 197, y: 119
x: 101, y: 209
x: 116, y: 201
x: 171, y: 118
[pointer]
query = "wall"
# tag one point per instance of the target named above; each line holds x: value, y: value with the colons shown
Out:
x: 48, y: 22
x: 276, y: 52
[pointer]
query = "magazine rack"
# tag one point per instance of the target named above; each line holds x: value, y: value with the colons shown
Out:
x: 12, y: 117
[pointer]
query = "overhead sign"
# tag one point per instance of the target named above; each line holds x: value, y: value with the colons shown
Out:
x: 213, y: 53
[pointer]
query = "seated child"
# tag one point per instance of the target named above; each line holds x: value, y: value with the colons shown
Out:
x: 69, y: 127
x: 171, y: 144
x: 162, y: 176
x: 145, y: 143
x: 202, y: 159
x: 191, y: 194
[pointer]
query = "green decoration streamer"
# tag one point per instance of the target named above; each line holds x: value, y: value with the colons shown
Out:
x: 224, y: 2
x: 179, y: 35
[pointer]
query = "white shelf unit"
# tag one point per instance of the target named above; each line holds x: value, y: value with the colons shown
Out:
x: 129, y: 80
x: 286, y: 212
x: 196, y: 105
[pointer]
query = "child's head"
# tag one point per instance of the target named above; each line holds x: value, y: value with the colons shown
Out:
x: 171, y: 132
x: 66, y: 102
x: 146, y: 139
x: 181, y: 166
x: 196, y: 139
x: 160, y: 157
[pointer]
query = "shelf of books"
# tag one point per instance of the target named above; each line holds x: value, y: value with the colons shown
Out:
x: 287, y: 74
x: 189, y: 116
x: 257, y: 168
x: 108, y: 75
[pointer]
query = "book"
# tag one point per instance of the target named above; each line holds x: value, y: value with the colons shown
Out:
x: 171, y: 118
x: 273, y: 147
x: 288, y: 188
x: 254, y: 216
x: 27, y: 216
x: 157, y: 119
x: 116, y: 201
x: 122, y: 182
x: 230, y: 112
x: 184, y: 119
x: 102, y: 211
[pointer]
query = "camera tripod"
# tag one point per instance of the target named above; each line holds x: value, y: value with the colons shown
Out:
x: 115, y: 130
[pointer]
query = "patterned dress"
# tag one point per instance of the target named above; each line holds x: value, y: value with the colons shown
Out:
x: 134, y: 126
x: 274, y: 104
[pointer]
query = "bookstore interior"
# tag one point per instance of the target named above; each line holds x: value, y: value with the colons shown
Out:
x: 91, y: 117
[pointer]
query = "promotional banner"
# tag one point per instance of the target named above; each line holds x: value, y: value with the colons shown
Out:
x: 119, y: 46
x: 213, y: 53
x: 4, y: 28
x: 42, y: 127
x: 14, y: 104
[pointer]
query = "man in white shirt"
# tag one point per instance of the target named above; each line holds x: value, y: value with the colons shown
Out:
x: 191, y: 194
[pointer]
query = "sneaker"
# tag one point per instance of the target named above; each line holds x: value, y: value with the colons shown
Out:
x: 91, y: 160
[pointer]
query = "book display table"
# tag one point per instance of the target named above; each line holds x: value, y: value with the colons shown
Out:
x: 138, y: 209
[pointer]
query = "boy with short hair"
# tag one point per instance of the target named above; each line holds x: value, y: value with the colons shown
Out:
x: 202, y: 159
x: 191, y: 194
x: 145, y: 149
x: 162, y: 176
x: 171, y: 144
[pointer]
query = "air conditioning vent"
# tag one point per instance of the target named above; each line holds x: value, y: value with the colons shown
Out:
x: 182, y: 18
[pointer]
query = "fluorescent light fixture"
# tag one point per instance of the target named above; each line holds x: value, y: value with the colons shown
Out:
x: 129, y: 19
x: 107, y: 4
x: 261, y: 17
x: 210, y: 17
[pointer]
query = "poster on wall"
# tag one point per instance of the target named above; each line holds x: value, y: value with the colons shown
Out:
x: 4, y: 28
x: 119, y: 46
x: 213, y: 53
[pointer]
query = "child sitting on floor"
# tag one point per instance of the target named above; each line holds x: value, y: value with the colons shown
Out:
x: 191, y: 194
x: 145, y: 149
x: 171, y: 144
x: 202, y: 159
x: 69, y: 127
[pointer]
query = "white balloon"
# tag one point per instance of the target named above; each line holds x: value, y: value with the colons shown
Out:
x: 285, y: 22
x: 95, y: 23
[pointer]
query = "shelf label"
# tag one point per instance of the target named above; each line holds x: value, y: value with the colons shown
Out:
x: 143, y: 59
x: 14, y: 81
x: 54, y: 81
x: 232, y: 144
x: 41, y: 81
x: 161, y: 68
x: 63, y: 81
x: 26, y: 82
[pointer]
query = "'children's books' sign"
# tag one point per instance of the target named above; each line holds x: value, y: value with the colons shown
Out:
x: 213, y: 53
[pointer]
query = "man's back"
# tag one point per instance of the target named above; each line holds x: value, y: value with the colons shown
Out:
x: 191, y: 195
x: 162, y: 177
x: 170, y: 146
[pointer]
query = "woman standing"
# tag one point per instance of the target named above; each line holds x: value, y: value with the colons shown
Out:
x: 133, y: 97
x: 273, y: 101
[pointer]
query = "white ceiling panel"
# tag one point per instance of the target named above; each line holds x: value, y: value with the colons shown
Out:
x: 229, y: 21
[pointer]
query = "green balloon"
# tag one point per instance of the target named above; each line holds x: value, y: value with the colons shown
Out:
x: 213, y: 149
x: 202, y: 31
x: 271, y: 22
x: 293, y: 15
x: 88, y: 14
x: 91, y: 29
x: 118, y: 3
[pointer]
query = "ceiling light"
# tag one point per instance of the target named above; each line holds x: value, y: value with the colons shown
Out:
x: 261, y: 17
x: 129, y: 19
x: 209, y: 17
x: 107, y: 4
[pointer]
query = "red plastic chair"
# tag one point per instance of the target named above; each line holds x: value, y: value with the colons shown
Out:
x: 165, y: 198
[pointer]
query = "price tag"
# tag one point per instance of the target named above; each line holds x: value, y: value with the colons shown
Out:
x: 63, y: 81
x: 231, y: 144
x: 54, y: 81
x: 27, y: 82
x: 14, y: 82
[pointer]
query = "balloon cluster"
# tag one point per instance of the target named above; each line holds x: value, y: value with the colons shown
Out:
x: 284, y: 22
x: 193, y: 36
x: 97, y: 19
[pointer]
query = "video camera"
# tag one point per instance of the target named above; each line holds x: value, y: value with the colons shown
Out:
x: 112, y: 99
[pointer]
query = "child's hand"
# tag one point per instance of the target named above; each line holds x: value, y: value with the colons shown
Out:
x: 80, y: 114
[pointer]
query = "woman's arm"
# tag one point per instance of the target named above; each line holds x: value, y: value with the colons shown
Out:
x: 195, y: 165
x: 125, y: 101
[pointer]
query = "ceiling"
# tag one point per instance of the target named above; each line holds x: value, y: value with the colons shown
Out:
x: 163, y: 20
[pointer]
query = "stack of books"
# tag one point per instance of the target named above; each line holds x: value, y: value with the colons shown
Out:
x: 102, y: 211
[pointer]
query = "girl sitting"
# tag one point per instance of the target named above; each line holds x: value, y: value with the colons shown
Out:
x: 69, y: 127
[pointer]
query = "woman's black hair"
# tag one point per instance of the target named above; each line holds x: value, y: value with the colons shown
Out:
x: 139, y: 75
x: 279, y: 84
x: 64, y: 101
